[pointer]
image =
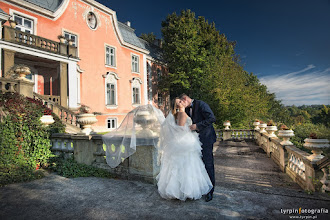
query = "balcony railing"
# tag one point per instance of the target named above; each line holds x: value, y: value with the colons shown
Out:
x: 30, y: 40
x: 235, y: 134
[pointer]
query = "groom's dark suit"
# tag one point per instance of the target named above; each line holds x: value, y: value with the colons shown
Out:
x: 203, y: 117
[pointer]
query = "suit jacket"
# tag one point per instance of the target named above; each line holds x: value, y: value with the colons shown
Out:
x: 203, y: 117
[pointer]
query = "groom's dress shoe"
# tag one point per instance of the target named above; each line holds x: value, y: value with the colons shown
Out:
x: 208, y: 197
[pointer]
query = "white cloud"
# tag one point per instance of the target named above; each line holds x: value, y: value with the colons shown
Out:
x: 303, y: 87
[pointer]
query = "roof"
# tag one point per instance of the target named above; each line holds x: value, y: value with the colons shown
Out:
x: 129, y: 35
x: 155, y: 51
x: 51, y: 5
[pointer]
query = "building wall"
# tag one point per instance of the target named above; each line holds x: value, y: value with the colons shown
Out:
x: 91, y: 51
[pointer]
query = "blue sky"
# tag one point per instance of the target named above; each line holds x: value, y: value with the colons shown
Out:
x: 286, y: 43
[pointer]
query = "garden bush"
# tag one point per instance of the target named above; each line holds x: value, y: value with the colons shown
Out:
x: 70, y: 168
x: 24, y: 140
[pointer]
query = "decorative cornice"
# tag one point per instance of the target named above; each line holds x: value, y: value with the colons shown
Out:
x: 111, y: 73
x: 136, y: 79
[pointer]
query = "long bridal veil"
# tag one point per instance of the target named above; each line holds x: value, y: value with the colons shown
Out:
x: 141, y: 126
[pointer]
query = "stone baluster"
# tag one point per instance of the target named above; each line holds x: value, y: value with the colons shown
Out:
x: 297, y: 166
x: 325, y: 180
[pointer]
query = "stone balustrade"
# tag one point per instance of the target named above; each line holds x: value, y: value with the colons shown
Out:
x: 294, y: 162
x: 142, y: 165
x: 89, y: 149
x: 30, y: 40
x: 65, y: 114
x: 234, y: 134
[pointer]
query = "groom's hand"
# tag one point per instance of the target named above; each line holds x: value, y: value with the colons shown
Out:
x: 193, y: 127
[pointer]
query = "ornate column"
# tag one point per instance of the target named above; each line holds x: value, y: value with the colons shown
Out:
x: 64, y: 84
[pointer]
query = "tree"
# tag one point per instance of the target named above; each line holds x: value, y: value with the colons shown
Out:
x: 202, y: 63
x: 150, y: 37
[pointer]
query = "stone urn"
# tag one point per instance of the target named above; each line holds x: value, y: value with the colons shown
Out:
x: 62, y: 39
x: 145, y: 119
x: 256, y: 125
x: 271, y: 130
x: 316, y: 146
x: 86, y: 120
x: 22, y: 72
x: 47, y: 119
x: 12, y: 23
x: 262, y: 127
x: 227, y: 125
x: 70, y: 42
x: 286, y: 135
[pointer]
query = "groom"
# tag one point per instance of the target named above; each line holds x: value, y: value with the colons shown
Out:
x: 202, y: 117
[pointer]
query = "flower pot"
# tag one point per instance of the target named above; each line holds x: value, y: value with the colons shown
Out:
x: 47, y: 120
x: 286, y: 135
x: 256, y: 124
x: 316, y: 146
x: 262, y: 127
x: 271, y: 130
x: 227, y: 125
x: 86, y: 120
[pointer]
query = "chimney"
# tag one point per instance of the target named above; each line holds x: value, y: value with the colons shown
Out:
x: 128, y: 23
x: 158, y: 42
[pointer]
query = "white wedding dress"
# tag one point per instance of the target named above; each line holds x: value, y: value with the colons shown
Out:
x: 182, y: 172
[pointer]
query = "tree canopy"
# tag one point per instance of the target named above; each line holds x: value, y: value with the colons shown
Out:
x: 202, y: 63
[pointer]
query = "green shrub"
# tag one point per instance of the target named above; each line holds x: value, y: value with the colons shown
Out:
x: 70, y: 168
x: 24, y: 140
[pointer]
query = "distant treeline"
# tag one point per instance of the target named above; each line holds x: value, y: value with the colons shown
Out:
x: 316, y: 114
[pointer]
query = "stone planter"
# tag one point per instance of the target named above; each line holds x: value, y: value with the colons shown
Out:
x: 227, y: 125
x: 286, y: 135
x: 47, y: 120
x: 145, y: 119
x: 316, y: 146
x: 86, y: 120
x: 271, y: 130
x: 262, y: 127
x: 256, y: 124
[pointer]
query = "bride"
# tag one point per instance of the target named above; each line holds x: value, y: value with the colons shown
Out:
x: 182, y: 173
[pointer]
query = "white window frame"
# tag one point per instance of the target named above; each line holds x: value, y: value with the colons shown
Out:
x: 111, y: 122
x: 75, y: 43
x: 135, y: 63
x: 13, y: 12
x: 136, y: 84
x: 111, y: 78
x: 114, y: 64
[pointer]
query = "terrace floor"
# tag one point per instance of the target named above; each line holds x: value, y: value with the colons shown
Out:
x: 249, y: 185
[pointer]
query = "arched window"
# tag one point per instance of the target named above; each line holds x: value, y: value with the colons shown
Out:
x: 136, y: 90
x: 111, y: 96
